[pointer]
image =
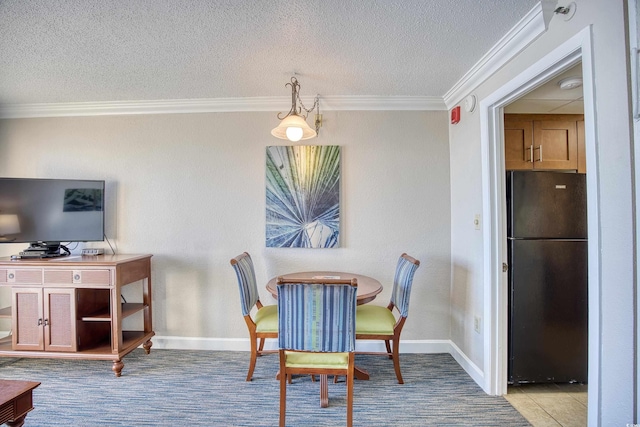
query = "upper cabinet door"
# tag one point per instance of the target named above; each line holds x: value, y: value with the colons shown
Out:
x: 518, y: 144
x: 555, y: 145
x: 544, y: 142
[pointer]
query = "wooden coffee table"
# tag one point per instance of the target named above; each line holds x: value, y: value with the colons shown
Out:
x: 15, y: 401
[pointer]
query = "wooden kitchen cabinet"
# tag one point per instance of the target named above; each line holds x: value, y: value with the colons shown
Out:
x: 72, y: 307
x: 544, y: 142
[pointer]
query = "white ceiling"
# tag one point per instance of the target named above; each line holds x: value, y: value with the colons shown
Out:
x: 56, y: 51
x: 549, y: 98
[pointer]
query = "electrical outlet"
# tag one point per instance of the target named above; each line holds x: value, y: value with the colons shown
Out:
x: 477, y: 323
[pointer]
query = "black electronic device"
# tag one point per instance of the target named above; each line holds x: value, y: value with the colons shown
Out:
x: 45, y: 212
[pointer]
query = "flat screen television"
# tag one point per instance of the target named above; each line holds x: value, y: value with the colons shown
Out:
x: 46, y: 212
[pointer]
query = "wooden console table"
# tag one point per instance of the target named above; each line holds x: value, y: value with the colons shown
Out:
x: 70, y: 307
x: 16, y: 401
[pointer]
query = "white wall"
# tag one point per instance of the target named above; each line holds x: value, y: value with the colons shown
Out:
x: 190, y: 189
x: 611, y: 399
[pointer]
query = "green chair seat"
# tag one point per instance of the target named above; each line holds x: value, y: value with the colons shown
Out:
x: 374, y: 320
x: 316, y: 360
x: 267, y: 319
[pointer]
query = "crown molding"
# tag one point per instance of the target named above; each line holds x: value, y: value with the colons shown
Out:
x: 216, y: 105
x: 528, y: 29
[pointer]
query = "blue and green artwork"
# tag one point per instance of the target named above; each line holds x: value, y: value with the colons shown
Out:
x: 303, y: 196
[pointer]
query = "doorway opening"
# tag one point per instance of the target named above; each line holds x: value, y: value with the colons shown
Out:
x: 547, y: 241
x: 571, y: 53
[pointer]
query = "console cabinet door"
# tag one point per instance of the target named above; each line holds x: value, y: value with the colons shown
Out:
x: 59, y: 319
x: 28, y: 319
x: 44, y: 319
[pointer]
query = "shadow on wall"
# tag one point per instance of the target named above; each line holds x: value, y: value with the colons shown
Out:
x: 460, y: 300
x: 185, y: 295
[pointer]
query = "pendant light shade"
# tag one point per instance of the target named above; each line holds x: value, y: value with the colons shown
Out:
x: 293, y: 126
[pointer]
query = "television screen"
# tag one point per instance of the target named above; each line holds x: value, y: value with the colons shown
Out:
x: 51, y: 210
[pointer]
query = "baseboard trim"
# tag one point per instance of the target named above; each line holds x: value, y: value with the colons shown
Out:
x: 242, y: 344
x: 470, y: 368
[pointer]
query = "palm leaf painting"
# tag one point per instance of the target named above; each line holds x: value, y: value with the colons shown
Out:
x: 303, y: 196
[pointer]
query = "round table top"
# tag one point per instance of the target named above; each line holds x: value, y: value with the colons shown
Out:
x: 368, y: 287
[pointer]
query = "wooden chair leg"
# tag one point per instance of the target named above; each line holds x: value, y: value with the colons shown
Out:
x: 252, y: 362
x: 324, y: 391
x: 396, y: 360
x: 386, y: 343
x: 350, y: 379
x: 261, y: 347
x: 283, y: 397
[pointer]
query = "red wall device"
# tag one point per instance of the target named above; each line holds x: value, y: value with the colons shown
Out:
x: 455, y: 115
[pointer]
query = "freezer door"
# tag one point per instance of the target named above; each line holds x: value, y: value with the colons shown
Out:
x: 546, y: 205
x: 548, y: 311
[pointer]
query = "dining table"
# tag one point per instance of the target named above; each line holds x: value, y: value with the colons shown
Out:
x: 368, y: 287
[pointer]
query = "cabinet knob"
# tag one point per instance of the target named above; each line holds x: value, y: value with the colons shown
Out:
x: 76, y: 277
x: 39, y: 322
x: 12, y: 276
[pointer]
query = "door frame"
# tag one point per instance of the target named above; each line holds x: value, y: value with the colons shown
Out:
x: 576, y: 49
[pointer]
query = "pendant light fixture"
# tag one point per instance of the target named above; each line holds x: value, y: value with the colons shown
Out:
x: 293, y: 125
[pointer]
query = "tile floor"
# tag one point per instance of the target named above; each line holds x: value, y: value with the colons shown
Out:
x: 550, y: 405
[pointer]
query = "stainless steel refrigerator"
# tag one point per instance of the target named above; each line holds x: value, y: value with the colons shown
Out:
x: 547, y: 250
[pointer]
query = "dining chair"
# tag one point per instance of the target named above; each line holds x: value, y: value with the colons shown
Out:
x: 317, y: 334
x: 374, y: 322
x: 264, y: 324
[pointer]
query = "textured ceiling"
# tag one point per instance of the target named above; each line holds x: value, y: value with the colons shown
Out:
x: 54, y: 51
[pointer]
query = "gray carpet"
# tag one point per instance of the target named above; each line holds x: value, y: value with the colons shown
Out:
x: 203, y: 388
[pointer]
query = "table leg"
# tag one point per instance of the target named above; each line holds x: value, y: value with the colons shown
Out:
x: 18, y: 422
x: 360, y: 373
x: 117, y: 367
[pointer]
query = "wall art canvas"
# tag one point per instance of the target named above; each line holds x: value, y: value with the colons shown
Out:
x: 303, y: 196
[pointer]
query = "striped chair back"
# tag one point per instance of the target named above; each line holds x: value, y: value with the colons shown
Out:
x: 317, y: 317
x: 243, y: 266
x: 402, y: 281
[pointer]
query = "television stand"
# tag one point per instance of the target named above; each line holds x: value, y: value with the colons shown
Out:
x: 71, y: 308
